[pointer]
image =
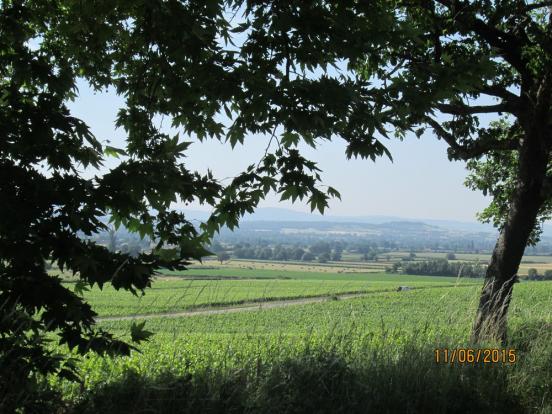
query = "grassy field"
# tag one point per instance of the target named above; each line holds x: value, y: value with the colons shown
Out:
x: 310, y: 273
x: 254, y: 350
x: 171, y: 294
x: 351, y: 264
x: 334, y: 356
x: 298, y: 266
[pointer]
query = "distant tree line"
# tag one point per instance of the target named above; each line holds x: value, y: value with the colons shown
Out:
x: 439, y: 267
x: 320, y: 251
x: 387, y: 242
x: 369, y: 250
x: 533, y: 274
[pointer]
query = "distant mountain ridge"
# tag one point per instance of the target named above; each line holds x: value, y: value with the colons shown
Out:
x: 286, y: 215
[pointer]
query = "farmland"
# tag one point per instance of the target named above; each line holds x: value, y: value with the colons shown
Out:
x: 171, y: 294
x: 383, y: 325
x: 353, y: 263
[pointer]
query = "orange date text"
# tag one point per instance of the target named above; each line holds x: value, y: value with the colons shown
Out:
x: 475, y: 356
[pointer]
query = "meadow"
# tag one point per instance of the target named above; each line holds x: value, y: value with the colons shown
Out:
x: 374, y: 351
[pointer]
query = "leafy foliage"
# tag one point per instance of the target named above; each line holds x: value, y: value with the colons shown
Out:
x: 496, y: 176
x: 161, y: 57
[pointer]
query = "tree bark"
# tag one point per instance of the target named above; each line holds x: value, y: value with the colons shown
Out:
x: 491, y: 319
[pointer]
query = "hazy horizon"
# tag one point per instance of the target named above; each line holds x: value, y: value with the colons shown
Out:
x: 328, y: 215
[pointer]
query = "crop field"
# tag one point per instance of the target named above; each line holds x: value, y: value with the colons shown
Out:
x: 441, y: 313
x: 382, y: 326
x: 223, y: 272
x: 250, y: 335
x: 218, y: 287
x: 329, y: 267
x: 226, y: 328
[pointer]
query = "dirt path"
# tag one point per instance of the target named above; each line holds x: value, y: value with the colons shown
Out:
x: 256, y: 305
x: 248, y: 306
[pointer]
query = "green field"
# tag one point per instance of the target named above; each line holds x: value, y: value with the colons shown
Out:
x: 440, y: 312
x: 177, y: 294
x: 311, y: 274
x: 384, y: 335
x: 397, y: 330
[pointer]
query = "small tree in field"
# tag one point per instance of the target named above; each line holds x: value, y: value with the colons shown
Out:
x: 451, y: 256
x: 223, y: 257
x: 532, y: 274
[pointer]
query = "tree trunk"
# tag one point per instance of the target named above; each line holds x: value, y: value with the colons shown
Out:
x: 491, y: 319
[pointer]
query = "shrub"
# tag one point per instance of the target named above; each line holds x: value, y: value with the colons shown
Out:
x: 533, y: 274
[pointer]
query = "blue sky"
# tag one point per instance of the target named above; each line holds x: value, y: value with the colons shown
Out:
x: 420, y: 182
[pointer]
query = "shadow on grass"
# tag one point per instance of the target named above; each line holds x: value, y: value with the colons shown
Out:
x: 316, y: 382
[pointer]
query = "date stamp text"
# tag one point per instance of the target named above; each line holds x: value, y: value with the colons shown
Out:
x: 475, y: 356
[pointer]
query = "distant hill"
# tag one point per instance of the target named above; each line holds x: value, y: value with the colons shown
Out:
x: 286, y: 215
x: 287, y: 226
x: 282, y: 214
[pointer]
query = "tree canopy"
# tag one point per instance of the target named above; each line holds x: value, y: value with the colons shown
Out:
x: 296, y: 71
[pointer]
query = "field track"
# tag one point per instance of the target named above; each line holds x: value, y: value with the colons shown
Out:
x: 253, y: 305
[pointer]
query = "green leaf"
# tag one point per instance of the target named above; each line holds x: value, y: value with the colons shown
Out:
x: 81, y: 287
x: 333, y: 193
x: 113, y: 152
x: 289, y: 139
x: 138, y: 333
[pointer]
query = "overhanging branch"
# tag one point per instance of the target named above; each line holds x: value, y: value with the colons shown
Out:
x: 462, y: 109
x: 500, y: 92
x: 474, y: 148
x: 507, y: 44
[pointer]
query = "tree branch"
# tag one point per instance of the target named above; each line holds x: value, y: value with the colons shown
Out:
x: 462, y: 109
x: 499, y: 92
x: 473, y: 149
x: 507, y: 44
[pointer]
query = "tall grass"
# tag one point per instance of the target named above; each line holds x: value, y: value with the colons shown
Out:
x: 374, y: 354
x: 334, y: 375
